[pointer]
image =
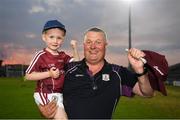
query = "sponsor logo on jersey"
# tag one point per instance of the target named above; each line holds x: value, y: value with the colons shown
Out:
x: 60, y: 60
x: 79, y: 75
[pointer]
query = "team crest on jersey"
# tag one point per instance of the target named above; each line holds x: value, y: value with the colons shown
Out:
x: 105, y: 77
x: 61, y: 71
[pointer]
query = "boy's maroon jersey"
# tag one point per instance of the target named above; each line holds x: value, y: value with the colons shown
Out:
x: 43, y: 61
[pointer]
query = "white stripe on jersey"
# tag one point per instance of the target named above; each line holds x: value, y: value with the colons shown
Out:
x: 71, y: 60
x: 37, y: 55
x: 72, y: 69
x: 120, y: 81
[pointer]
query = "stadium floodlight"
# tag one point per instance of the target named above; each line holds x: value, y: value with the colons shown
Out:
x: 129, y: 20
x: 129, y: 2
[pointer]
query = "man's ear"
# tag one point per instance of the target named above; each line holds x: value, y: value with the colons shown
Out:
x: 106, y: 43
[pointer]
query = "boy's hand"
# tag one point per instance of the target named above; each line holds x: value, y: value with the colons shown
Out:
x: 54, y: 72
x: 73, y: 43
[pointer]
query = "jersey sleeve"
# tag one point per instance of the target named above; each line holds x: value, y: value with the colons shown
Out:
x: 128, y: 81
x: 35, y: 63
x: 67, y: 58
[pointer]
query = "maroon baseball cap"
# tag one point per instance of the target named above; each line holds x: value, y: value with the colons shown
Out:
x: 157, y: 70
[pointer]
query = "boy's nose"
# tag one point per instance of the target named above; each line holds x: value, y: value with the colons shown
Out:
x: 55, y: 40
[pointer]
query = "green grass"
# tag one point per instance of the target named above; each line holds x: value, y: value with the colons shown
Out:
x: 158, y: 107
x: 16, y: 101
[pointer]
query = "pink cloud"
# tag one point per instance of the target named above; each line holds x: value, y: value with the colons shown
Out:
x: 13, y: 54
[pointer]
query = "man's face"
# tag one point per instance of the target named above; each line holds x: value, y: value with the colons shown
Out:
x: 94, y: 47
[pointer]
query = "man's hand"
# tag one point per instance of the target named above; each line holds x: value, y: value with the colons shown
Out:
x: 142, y: 87
x: 48, y: 110
x: 134, y: 56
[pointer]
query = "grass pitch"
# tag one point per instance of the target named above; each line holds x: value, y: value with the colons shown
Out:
x: 16, y: 102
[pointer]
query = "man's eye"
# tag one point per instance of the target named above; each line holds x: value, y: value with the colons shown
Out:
x: 88, y: 42
x: 98, y: 42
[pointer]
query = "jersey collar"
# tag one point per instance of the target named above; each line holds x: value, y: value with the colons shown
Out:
x: 105, y: 69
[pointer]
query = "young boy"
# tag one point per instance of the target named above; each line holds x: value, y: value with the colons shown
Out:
x: 47, y: 67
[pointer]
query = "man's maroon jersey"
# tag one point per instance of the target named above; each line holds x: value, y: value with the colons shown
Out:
x: 43, y: 61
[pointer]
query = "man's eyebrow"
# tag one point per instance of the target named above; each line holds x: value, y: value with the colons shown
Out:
x: 99, y: 40
x: 87, y: 40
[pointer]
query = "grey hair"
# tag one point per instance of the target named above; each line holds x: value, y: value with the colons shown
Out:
x: 96, y: 29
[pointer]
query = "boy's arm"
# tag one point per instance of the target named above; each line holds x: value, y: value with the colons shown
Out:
x: 37, y: 75
x: 75, y: 51
x: 53, y: 72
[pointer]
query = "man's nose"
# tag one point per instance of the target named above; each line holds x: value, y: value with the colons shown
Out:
x: 93, y: 45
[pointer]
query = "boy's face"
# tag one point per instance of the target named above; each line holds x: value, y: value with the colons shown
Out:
x: 53, y: 38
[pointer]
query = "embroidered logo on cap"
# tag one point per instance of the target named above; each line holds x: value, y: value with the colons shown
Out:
x: 156, y: 67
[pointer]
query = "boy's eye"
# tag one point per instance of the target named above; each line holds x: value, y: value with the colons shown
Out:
x: 59, y: 38
x: 51, y: 36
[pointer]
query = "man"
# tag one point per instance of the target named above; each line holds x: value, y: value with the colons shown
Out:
x: 93, y: 86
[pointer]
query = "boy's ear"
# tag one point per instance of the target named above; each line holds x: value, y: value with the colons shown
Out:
x: 43, y: 37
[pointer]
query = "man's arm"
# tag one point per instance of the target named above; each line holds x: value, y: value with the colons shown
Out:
x: 48, y: 110
x: 142, y: 87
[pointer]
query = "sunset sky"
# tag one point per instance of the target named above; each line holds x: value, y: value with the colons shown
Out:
x: 155, y: 26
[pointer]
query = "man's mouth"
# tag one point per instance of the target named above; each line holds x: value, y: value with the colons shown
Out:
x: 93, y: 52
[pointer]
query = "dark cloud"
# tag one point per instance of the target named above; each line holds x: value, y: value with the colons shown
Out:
x: 155, y: 23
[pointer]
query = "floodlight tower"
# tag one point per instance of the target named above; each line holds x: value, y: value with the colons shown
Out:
x: 129, y: 21
x: 129, y: 28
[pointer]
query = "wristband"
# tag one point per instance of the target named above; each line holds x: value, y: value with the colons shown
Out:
x: 143, y: 73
